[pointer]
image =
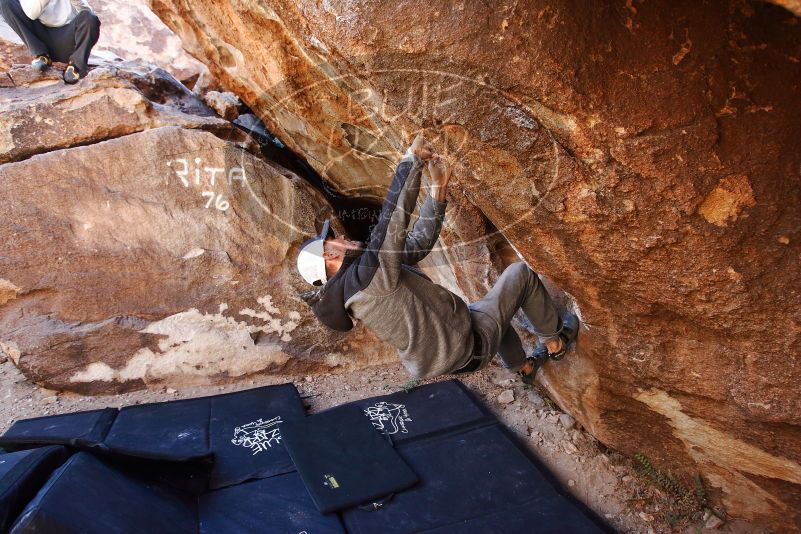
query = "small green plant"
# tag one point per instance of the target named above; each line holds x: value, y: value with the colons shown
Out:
x: 665, y: 481
x: 406, y: 386
x: 700, y: 492
x: 549, y: 403
x: 672, y: 518
x: 684, y: 502
x: 410, y: 385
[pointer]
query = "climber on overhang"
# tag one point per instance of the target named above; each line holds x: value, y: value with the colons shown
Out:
x: 434, y: 331
x: 55, y: 30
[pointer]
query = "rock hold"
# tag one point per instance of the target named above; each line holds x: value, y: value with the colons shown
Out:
x: 227, y: 105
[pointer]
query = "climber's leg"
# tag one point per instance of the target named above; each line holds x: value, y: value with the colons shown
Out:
x: 511, y: 349
x: 32, y: 32
x: 86, y: 33
x: 518, y: 287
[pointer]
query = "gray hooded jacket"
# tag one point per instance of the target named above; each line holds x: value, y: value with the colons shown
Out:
x: 426, y: 323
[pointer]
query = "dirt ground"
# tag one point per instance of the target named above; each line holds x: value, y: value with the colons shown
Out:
x: 606, y: 481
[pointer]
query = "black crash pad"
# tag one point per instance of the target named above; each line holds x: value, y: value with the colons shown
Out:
x: 430, y: 409
x: 245, y: 433
x: 465, y: 477
x: 343, y: 460
x: 21, y: 475
x: 536, y: 517
x: 176, y: 430
x: 81, y: 429
x: 277, y: 504
x: 88, y: 496
x: 240, y: 431
x: 474, y: 476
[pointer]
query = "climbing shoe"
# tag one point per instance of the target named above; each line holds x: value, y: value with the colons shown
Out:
x: 568, y: 334
x: 71, y: 74
x: 528, y: 371
x: 41, y: 63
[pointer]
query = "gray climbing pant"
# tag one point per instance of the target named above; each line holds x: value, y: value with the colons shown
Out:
x: 517, y: 288
x: 70, y: 43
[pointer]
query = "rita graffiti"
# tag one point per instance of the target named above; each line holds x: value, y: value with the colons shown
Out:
x: 193, y: 173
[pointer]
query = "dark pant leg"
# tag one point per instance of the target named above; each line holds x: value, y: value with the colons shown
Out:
x: 32, y: 32
x: 511, y: 350
x: 73, y: 43
x: 60, y: 42
x: 86, y: 33
x: 518, y: 287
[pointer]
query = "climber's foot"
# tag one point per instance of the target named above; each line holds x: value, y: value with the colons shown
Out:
x: 71, y: 74
x: 528, y: 372
x: 567, y: 337
x: 41, y: 63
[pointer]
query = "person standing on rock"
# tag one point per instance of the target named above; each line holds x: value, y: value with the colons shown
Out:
x: 55, y: 30
x: 434, y: 331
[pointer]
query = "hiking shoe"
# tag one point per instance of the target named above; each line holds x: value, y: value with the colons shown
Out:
x: 568, y: 334
x: 71, y: 74
x: 41, y: 63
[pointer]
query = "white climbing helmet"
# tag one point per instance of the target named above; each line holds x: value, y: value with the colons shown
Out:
x: 311, y: 264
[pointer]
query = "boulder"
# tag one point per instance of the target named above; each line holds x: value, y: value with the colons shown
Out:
x: 129, y: 30
x: 132, y: 31
x: 161, y: 257
x: 40, y: 113
x: 156, y: 247
x: 644, y: 156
